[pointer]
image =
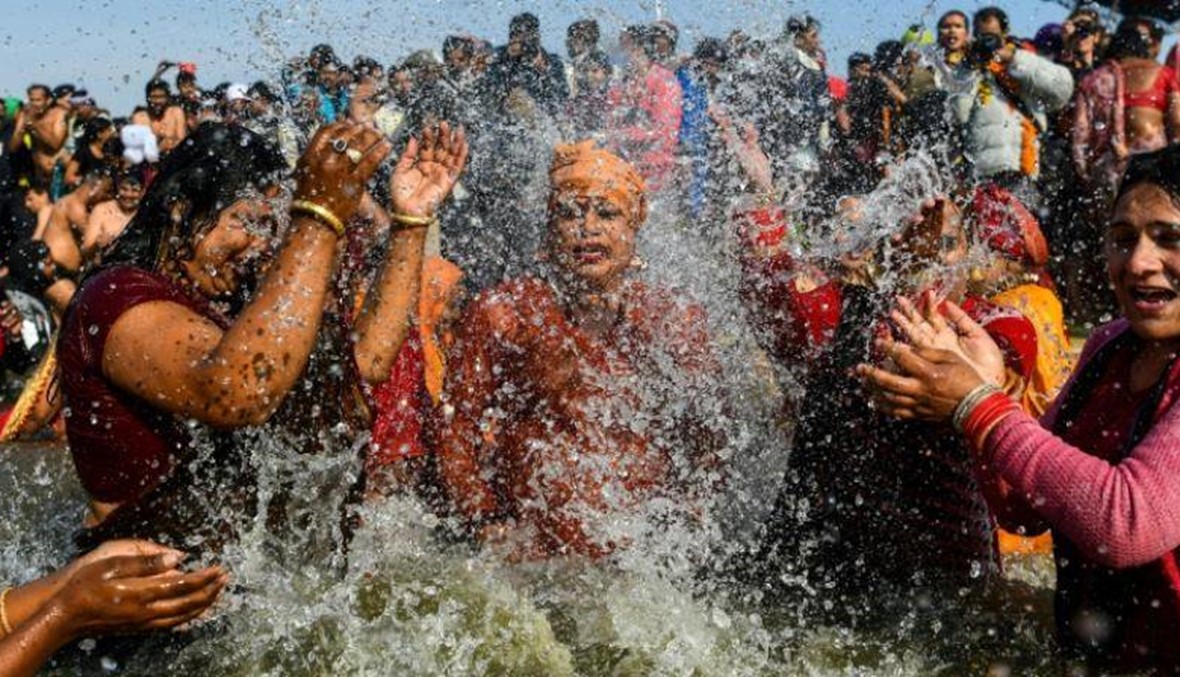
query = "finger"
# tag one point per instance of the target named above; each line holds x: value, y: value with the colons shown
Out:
x: 931, y: 313
x: 193, y: 601
x: 429, y: 142
x: 140, y: 566
x: 444, y: 137
x: 373, y: 157
x: 886, y: 381
x: 323, y: 138
x: 459, y: 161
x: 909, y: 331
x: 167, y: 586
x: 908, y: 360
x: 960, y: 320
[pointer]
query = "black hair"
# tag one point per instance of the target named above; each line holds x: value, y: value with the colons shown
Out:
x: 261, y: 90
x: 206, y: 173
x: 958, y: 13
x: 129, y: 176
x: 63, y: 90
x: 455, y: 43
x: 365, y: 65
x: 38, y: 86
x: 1135, y: 22
x: 888, y: 55
x: 711, y: 49
x: 155, y: 84
x: 1160, y: 168
x: 185, y: 77
x: 989, y: 14
x: 525, y: 25
x: 798, y: 25
x: 599, y: 59
x: 859, y: 59
x: 93, y: 127
x: 586, y: 29
x: 1128, y: 41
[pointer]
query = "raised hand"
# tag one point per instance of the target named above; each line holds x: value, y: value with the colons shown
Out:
x: 336, y: 166
x: 921, y: 238
x: 956, y: 332
x: 743, y: 144
x: 428, y: 170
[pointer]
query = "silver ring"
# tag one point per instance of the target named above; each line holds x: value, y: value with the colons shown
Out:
x: 354, y: 155
x: 339, y: 145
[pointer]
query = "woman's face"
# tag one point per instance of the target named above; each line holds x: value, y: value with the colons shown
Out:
x: 952, y: 33
x: 594, y: 239
x: 1143, y: 260
x: 228, y: 259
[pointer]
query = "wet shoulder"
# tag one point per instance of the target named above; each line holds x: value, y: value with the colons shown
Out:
x: 511, y: 306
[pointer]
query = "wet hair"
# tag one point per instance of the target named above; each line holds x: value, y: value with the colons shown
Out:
x: 93, y: 127
x: 261, y: 90
x: 525, y: 25
x: 1159, y: 168
x: 62, y: 91
x: 585, y: 29
x: 1154, y: 30
x: 992, y: 13
x: 888, y: 55
x: 366, y: 65
x: 798, y: 25
x: 203, y: 175
x: 156, y: 84
x: 128, y: 176
x: 321, y: 53
x: 859, y: 59
x: 185, y: 78
x: 599, y: 60
x: 1128, y: 42
x: 457, y: 43
x: 38, y: 86
x: 711, y: 49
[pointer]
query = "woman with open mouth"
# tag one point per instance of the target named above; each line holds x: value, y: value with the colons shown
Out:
x: 1101, y: 468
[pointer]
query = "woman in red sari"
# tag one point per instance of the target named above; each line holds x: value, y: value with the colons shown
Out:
x: 1100, y: 468
x: 194, y: 328
x: 571, y: 398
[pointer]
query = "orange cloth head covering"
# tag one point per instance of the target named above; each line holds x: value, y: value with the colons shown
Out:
x: 587, y: 169
x: 439, y: 278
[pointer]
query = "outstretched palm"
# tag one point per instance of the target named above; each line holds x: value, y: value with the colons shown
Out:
x: 428, y: 170
x: 950, y: 328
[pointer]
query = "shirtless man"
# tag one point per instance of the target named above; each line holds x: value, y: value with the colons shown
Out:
x: 38, y: 203
x: 46, y: 126
x: 109, y: 218
x: 66, y: 224
x: 166, y: 120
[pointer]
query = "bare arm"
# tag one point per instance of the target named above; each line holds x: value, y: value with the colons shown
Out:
x: 183, y: 363
x: 59, y: 237
x: 124, y: 586
x: 18, y: 133
x: 1173, y: 119
x: 423, y: 178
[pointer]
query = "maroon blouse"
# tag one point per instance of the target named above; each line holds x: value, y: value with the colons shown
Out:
x: 122, y: 446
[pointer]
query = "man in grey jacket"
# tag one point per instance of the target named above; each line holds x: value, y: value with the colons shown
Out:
x: 1003, y: 95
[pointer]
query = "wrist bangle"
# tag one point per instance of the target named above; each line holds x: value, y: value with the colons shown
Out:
x: 4, y: 624
x: 408, y: 221
x: 319, y: 213
x: 969, y: 402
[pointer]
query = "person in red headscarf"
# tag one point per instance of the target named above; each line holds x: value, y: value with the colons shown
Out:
x: 1015, y: 278
x: 571, y: 396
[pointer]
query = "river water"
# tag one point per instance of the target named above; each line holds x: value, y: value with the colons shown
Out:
x: 410, y: 604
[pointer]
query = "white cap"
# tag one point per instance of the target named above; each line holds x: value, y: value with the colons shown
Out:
x: 237, y: 92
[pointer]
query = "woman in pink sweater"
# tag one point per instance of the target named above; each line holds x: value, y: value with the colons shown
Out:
x: 1102, y: 467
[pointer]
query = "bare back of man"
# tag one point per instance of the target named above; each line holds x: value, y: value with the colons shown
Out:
x: 48, y: 133
x: 105, y: 223
x: 67, y: 221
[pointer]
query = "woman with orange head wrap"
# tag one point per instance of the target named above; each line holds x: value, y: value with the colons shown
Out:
x: 538, y: 446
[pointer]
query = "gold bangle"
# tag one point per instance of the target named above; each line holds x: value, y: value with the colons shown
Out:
x: 319, y: 213
x: 4, y: 624
x: 413, y: 221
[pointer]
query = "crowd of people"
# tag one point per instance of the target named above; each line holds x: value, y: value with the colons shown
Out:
x: 432, y: 271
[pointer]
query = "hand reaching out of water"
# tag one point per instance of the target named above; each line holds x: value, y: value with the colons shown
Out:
x: 428, y: 170
x: 135, y: 586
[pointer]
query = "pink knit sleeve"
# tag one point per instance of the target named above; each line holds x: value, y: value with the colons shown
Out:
x: 1120, y: 515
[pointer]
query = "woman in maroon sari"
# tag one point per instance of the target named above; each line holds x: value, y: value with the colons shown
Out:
x: 1101, y: 468
x: 193, y: 328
